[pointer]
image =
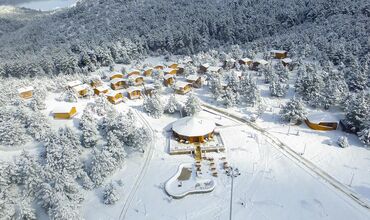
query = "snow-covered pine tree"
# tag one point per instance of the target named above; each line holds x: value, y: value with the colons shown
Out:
x: 88, y: 125
x: 277, y: 87
x: 192, y: 105
x: 153, y: 106
x: 293, y: 111
x: 357, y: 110
x: 172, y: 105
x: 115, y: 147
x: 343, y: 142
x: 100, y: 106
x: 110, y: 196
x: 102, y: 165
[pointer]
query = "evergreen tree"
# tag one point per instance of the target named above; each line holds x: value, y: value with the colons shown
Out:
x: 110, y: 196
x: 192, y: 105
x: 153, y: 106
x: 293, y: 111
x: 172, y: 105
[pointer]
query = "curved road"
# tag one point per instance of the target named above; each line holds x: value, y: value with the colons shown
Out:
x: 148, y: 155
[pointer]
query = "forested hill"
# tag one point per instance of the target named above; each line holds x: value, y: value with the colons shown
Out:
x: 97, y: 32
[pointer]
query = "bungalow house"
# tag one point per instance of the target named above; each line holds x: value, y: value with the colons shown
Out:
x: 170, y: 71
x: 114, y: 97
x: 172, y: 65
x: 180, y: 69
x: 229, y: 63
x: 214, y: 69
x: 245, y: 61
x: 101, y: 90
x: 136, y: 80
x: 116, y: 75
x: 118, y: 83
x: 95, y: 81
x: 182, y: 87
x: 148, y: 90
x: 203, y: 67
x: 74, y: 83
x: 257, y: 63
x: 321, y: 121
x: 287, y: 62
x: 159, y: 67
x: 279, y: 54
x: 168, y: 79
x: 148, y: 71
x: 131, y: 72
x: 26, y: 92
x: 64, y: 112
x: 81, y: 90
x: 196, y: 81
x: 133, y: 93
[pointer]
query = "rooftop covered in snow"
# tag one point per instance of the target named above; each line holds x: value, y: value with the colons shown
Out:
x: 193, y: 126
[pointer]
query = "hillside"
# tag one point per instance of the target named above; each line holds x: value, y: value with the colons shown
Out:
x: 96, y: 33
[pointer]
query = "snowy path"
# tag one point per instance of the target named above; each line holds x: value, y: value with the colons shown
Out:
x: 286, y: 150
x: 144, y: 168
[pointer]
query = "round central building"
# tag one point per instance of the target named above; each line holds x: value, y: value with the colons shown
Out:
x: 193, y: 129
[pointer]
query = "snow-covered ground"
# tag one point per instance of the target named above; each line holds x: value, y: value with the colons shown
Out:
x: 271, y: 185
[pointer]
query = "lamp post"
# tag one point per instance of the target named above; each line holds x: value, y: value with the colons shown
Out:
x: 232, y: 173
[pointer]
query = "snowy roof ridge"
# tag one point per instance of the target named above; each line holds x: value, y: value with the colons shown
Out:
x: 25, y: 89
x: 191, y: 126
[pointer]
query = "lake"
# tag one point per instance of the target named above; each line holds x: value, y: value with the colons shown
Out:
x: 47, y: 5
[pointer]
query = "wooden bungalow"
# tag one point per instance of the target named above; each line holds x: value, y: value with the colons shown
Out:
x: 168, y: 79
x: 182, y: 87
x: 131, y: 72
x: 180, y: 69
x: 115, y: 75
x: 159, y: 67
x: 287, y: 62
x: 148, y: 90
x: 169, y: 71
x: 114, y: 97
x: 172, y: 65
x: 245, y: 61
x: 64, y: 112
x: 203, y: 67
x: 26, y: 92
x: 95, y: 81
x: 133, y: 93
x: 74, y: 83
x: 81, y: 90
x: 196, y: 81
x: 279, y: 54
x: 214, y: 69
x: 257, y: 63
x: 229, y: 63
x: 148, y: 71
x: 118, y: 83
x: 101, y: 90
x: 193, y: 129
x: 321, y: 121
x: 136, y: 80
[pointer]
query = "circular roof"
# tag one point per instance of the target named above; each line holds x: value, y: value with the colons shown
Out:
x: 192, y: 126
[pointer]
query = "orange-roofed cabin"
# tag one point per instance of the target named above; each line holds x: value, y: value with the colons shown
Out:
x: 26, y: 93
x: 279, y: 54
x: 148, y: 71
x: 115, y: 97
x: 101, y: 90
x: 168, y: 80
x: 64, y: 112
x: 118, y: 84
x: 159, y: 67
x: 133, y: 93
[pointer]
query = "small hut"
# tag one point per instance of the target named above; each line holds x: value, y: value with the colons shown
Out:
x: 114, y: 97
x: 81, y: 90
x: 182, y: 87
x: 257, y: 63
x: 95, y: 81
x: 214, y: 69
x: 115, y: 75
x: 196, y: 81
x: 168, y: 79
x: 159, y: 67
x: 74, y: 83
x: 148, y: 90
x: 169, y: 71
x: 245, y: 61
x: 229, y: 63
x: 118, y: 83
x: 203, y: 67
x: 26, y: 92
x: 180, y: 69
x: 64, y: 112
x: 131, y: 72
x: 137, y: 80
x: 172, y: 65
x: 279, y: 54
x: 287, y: 62
x: 148, y: 71
x: 321, y: 121
x: 133, y: 93
x: 101, y: 90
x: 193, y: 129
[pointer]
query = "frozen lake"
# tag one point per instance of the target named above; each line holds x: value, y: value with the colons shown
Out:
x: 47, y: 5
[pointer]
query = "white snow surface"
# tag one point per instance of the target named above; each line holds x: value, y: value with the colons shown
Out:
x: 192, y: 126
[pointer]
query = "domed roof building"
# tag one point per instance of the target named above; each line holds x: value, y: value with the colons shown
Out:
x: 193, y: 129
